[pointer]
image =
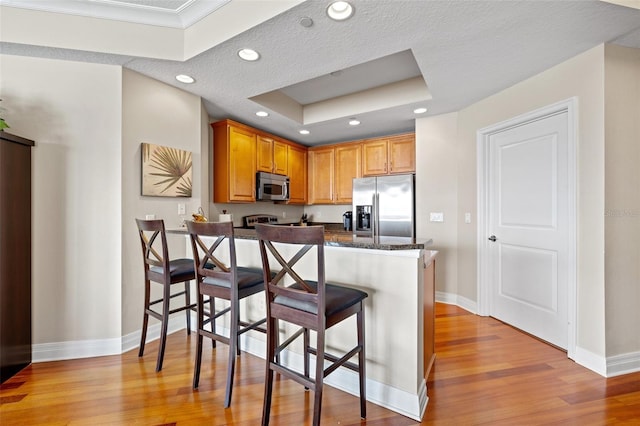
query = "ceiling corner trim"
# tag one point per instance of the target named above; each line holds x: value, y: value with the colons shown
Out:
x: 391, y: 95
x: 39, y: 28
x: 282, y: 104
x: 229, y: 20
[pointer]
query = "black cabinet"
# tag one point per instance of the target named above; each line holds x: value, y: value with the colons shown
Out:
x: 15, y: 254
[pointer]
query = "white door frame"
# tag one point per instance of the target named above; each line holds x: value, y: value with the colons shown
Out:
x: 570, y: 106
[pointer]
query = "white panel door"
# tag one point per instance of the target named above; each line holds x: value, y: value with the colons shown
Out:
x: 528, y: 225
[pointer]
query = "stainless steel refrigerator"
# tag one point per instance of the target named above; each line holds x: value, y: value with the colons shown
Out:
x: 384, y: 206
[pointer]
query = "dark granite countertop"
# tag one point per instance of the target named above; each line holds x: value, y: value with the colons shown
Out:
x: 335, y: 236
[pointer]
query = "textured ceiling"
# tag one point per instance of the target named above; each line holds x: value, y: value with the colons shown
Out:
x: 463, y: 51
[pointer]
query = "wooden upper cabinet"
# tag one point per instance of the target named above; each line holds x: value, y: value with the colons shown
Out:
x: 402, y: 153
x: 264, y: 154
x: 280, y: 158
x: 348, y: 166
x: 234, y: 162
x: 271, y: 155
x: 389, y: 155
x: 374, y: 157
x: 297, y: 172
x: 331, y: 173
x: 321, y: 175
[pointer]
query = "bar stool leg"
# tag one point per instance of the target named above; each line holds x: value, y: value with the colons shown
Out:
x: 187, y: 300
x: 233, y: 344
x: 145, y: 317
x: 362, y: 364
x: 165, y: 325
x: 198, y: 361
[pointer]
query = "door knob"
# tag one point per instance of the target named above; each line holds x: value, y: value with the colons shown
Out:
x: 492, y: 238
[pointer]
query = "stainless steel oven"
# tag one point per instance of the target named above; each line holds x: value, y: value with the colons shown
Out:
x: 272, y: 187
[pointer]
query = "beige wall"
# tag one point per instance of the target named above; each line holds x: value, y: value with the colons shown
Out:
x: 436, y: 191
x: 154, y: 112
x: 73, y: 112
x: 88, y: 121
x: 622, y: 199
x: 581, y: 77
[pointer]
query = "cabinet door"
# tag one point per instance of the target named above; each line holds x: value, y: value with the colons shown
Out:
x: 402, y: 154
x: 280, y: 158
x: 297, y: 172
x: 264, y: 154
x: 374, y: 157
x: 321, y: 169
x: 242, y: 165
x: 348, y: 166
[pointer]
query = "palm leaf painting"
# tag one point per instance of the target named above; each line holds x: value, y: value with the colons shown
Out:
x: 166, y: 171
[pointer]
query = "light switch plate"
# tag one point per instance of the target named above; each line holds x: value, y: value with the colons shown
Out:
x: 467, y: 218
x: 436, y: 217
x: 181, y: 208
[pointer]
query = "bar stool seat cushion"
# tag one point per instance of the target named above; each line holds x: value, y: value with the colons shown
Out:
x: 247, y: 277
x: 338, y: 298
x: 177, y: 268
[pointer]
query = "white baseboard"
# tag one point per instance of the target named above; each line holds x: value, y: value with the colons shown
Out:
x: 454, y: 299
x: 607, y: 367
x: 93, y: 348
x: 618, y: 365
x: 402, y: 402
x: 593, y: 362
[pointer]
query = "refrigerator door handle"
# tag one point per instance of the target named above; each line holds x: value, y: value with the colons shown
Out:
x: 372, y: 219
x: 376, y: 214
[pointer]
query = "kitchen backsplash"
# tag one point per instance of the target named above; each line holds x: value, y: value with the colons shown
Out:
x: 284, y: 212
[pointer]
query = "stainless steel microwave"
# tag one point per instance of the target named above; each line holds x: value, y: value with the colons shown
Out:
x: 272, y: 187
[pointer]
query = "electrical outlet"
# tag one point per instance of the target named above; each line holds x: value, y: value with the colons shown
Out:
x: 181, y: 208
x: 436, y: 217
x: 467, y: 218
x: 150, y: 217
x: 284, y: 215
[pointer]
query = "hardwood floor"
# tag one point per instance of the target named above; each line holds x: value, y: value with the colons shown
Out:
x: 485, y: 373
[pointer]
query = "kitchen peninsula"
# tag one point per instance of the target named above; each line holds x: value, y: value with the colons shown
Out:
x: 397, y: 273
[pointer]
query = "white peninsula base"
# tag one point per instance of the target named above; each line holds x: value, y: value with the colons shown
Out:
x: 394, y: 321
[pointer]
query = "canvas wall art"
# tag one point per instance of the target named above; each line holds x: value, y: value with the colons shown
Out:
x: 166, y: 171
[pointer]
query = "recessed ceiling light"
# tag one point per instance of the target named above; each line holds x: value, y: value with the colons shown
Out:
x: 353, y: 122
x: 340, y: 10
x: 248, y: 54
x: 304, y: 132
x: 306, y: 22
x: 262, y: 114
x: 420, y: 110
x: 183, y: 78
